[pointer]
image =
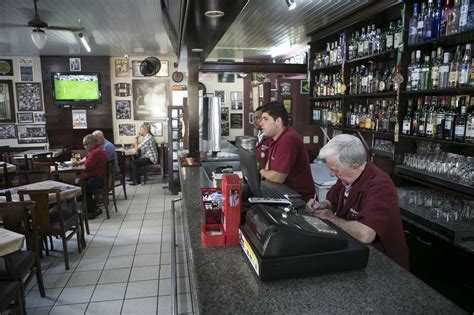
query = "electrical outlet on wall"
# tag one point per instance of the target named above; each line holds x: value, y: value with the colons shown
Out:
x: 315, y: 139
x: 306, y: 140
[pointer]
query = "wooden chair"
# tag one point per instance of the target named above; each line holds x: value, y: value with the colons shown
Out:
x: 109, y: 187
x: 57, y: 220
x: 22, y: 265
x: 7, y: 194
x: 42, y: 157
x: 37, y: 176
x: 121, y: 178
x: 11, y: 291
x: 65, y: 155
x: 4, y: 177
x: 158, y: 168
x: 20, y: 163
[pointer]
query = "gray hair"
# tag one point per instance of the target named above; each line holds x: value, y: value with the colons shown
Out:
x: 90, y: 139
x: 348, y: 149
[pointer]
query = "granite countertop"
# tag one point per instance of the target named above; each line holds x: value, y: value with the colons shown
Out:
x: 223, y: 282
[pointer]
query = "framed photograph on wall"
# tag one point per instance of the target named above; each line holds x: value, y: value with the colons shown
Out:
x: 150, y: 99
x: 236, y: 105
x: 156, y: 129
x: 24, y: 118
x: 32, y: 134
x: 221, y: 94
x: 123, y: 109
x: 136, y: 68
x: 236, y: 96
x: 121, y: 68
x: 6, y: 67
x: 7, y: 131
x: 164, y: 70
x: 28, y: 96
x: 287, y: 104
x: 127, y: 130
x: 285, y: 89
x: 7, y: 107
x: 235, y: 121
x: 74, y: 64
x: 39, y: 118
x: 26, y: 73
x: 304, y: 87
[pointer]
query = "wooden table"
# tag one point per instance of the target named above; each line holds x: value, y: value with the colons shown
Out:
x: 66, y: 172
x: 10, y: 167
x: 10, y: 242
x: 128, y: 152
x: 67, y: 191
x: 30, y: 153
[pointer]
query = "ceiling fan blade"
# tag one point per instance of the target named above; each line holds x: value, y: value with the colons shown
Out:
x: 64, y: 28
x: 12, y: 25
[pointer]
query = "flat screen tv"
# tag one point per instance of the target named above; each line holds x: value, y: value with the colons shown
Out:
x: 70, y: 88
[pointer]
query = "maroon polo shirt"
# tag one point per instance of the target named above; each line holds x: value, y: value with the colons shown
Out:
x: 262, y: 152
x: 287, y: 154
x: 95, y: 162
x: 373, y: 201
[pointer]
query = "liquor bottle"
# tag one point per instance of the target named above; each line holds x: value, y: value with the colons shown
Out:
x: 460, y: 121
x: 397, y: 37
x: 436, y: 20
x: 357, y: 116
x: 430, y: 130
x: 384, y: 118
x: 425, y: 74
x: 463, y: 18
x: 349, y: 115
x: 360, y: 44
x: 368, y: 117
x: 440, y: 117
x: 413, y: 24
x: 448, y: 132
x: 469, y: 137
x: 437, y: 62
x: 453, y: 22
x: 379, y: 42
x: 454, y: 68
x: 420, y: 23
x: 444, y: 72
x: 407, y: 120
x: 410, y: 69
x: 464, y: 75
x: 393, y: 118
x: 445, y: 14
x: 389, y: 36
x: 362, y: 114
x: 416, y: 116
x: 317, y: 113
x: 422, y: 116
x: 428, y: 21
x: 351, y: 47
x: 415, y: 74
x: 363, y: 79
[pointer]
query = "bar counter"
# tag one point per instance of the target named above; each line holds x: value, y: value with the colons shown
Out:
x: 223, y: 282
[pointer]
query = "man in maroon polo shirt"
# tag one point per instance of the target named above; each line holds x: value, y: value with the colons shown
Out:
x: 287, y: 159
x: 363, y: 202
x: 94, y: 171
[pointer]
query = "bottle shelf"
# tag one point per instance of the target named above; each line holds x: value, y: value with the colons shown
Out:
x: 354, y: 130
x: 328, y: 68
x: 372, y: 95
x: 450, y: 91
x: 384, y: 154
x: 440, y: 181
x: 331, y: 97
x: 437, y: 140
x: 381, y: 55
x: 455, y: 39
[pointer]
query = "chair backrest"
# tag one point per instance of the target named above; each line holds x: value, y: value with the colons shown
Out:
x: 109, y: 177
x: 44, y: 166
x: 19, y: 217
x: 41, y: 198
x: 7, y: 194
x: 43, y: 157
x: 20, y: 163
x: 38, y: 176
x: 121, y: 161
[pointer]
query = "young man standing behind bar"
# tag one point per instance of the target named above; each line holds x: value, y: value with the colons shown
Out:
x: 363, y: 202
x: 262, y: 141
x: 287, y: 160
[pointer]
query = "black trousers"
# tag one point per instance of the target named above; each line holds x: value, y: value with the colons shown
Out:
x: 137, y: 164
x: 92, y: 185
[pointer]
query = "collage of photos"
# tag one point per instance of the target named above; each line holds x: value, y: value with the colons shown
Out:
x: 32, y: 134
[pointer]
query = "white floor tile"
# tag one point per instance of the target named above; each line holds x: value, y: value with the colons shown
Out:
x: 34, y: 299
x: 142, y: 289
x: 123, y: 250
x: 108, y: 292
x: 73, y: 309
x: 164, y: 287
x: 91, y: 264
x: 144, y: 273
x: 115, y: 275
x: 55, y: 280
x: 143, y: 249
x: 73, y: 295
x: 164, y: 304
x: 84, y: 278
x: 119, y: 262
x: 146, y: 260
x: 106, y: 307
x: 143, y: 306
x: 38, y: 311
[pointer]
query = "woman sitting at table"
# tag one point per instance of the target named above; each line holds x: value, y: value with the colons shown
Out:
x: 94, y: 171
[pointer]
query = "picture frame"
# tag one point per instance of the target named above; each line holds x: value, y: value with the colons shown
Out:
x: 221, y: 94
x: 32, y: 134
x: 287, y: 104
x: 127, y: 130
x: 236, y: 95
x: 7, y: 131
x: 24, y: 118
x: 236, y: 105
x: 26, y: 73
x: 123, y: 109
x: 7, y: 104
x: 122, y: 89
x: 156, y: 128
x: 164, y: 69
x: 235, y: 121
x: 39, y: 118
x: 285, y: 88
x: 28, y: 96
x: 79, y: 119
x: 6, y: 67
x: 304, y: 87
x: 75, y: 64
x: 121, y: 68
x: 150, y: 99
x: 136, y: 69
x: 226, y: 77
x: 251, y: 118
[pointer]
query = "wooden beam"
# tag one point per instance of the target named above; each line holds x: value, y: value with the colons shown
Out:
x: 249, y: 67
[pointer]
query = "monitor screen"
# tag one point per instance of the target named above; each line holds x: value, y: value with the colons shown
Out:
x: 248, y: 165
x: 76, y: 87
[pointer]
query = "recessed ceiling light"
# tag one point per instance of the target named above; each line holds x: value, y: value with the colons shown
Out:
x: 214, y: 13
x: 198, y: 50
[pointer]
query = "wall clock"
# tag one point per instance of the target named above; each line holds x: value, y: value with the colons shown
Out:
x: 177, y: 76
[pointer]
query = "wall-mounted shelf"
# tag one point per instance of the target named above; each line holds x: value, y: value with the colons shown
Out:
x: 328, y: 68
x: 455, y: 39
x: 381, y: 55
x: 450, y: 91
x: 438, y: 140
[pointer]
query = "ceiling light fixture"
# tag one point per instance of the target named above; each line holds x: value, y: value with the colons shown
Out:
x: 214, y: 14
x: 39, y: 38
x: 84, y: 42
x: 291, y: 4
x: 197, y: 50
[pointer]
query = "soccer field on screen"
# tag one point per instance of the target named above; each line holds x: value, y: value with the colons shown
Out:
x: 76, y: 90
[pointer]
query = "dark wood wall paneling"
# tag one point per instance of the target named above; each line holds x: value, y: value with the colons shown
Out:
x: 59, y: 120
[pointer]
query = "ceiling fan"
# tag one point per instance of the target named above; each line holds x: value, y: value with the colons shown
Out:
x: 38, y: 34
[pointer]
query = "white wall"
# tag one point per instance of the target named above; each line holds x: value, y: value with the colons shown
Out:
x: 37, y: 78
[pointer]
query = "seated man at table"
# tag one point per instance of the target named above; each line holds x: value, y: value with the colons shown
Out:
x: 148, y: 153
x: 94, y: 171
x: 363, y: 202
x: 109, y: 149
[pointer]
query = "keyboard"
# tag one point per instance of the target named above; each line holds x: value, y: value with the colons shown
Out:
x: 319, y: 225
x: 269, y: 200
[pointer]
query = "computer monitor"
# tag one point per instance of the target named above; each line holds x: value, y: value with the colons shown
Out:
x: 248, y: 166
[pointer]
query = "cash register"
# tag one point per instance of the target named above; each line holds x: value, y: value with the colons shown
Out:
x: 280, y: 243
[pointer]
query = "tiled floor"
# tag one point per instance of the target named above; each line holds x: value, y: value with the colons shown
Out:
x: 125, y: 268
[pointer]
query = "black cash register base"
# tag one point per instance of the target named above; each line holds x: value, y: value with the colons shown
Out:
x: 280, y: 245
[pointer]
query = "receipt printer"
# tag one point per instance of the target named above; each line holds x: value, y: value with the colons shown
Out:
x: 280, y: 245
